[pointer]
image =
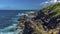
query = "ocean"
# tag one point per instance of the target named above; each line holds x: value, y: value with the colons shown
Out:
x: 9, y: 20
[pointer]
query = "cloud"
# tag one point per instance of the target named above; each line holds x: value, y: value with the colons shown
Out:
x: 46, y: 3
x: 55, y: 1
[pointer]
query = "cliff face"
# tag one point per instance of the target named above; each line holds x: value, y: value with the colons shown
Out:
x: 47, y: 21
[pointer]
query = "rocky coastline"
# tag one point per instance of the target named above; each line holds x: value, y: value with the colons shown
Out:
x: 44, y: 21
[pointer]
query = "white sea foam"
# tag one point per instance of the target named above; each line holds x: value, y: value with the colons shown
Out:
x: 7, y: 29
x: 30, y: 12
x: 6, y: 32
x: 22, y: 14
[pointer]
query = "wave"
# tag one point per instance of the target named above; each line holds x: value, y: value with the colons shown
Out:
x: 10, y: 30
x: 22, y: 14
x: 30, y: 12
x: 6, y: 29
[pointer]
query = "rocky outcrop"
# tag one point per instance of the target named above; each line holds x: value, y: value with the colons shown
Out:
x: 47, y: 21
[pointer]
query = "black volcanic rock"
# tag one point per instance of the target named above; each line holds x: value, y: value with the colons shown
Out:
x: 28, y: 29
x: 46, y: 19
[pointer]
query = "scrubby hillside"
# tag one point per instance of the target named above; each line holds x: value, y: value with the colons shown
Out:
x: 47, y: 21
x: 50, y: 17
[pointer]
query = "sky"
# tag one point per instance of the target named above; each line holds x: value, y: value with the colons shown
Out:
x: 20, y: 4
